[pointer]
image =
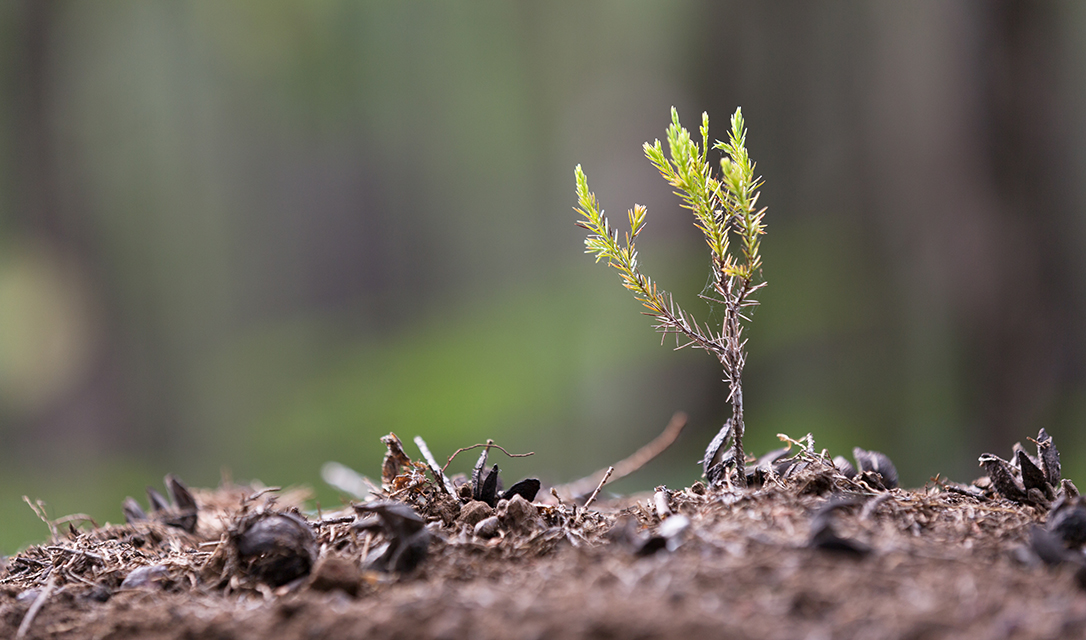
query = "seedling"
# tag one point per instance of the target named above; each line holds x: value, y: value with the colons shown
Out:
x: 723, y: 204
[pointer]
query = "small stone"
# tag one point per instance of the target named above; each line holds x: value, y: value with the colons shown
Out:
x: 146, y: 577
x: 673, y: 527
x: 333, y: 573
x: 517, y: 513
x: 99, y: 593
x: 474, y: 512
x: 488, y: 527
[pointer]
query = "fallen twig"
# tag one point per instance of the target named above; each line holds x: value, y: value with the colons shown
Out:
x: 77, y: 552
x: 487, y: 444
x: 438, y: 473
x: 39, y: 510
x: 600, y: 486
x: 76, y: 517
x: 36, y: 606
x: 252, y: 497
x: 632, y: 463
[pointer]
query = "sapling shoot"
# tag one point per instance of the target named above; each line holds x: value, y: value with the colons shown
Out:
x: 723, y: 203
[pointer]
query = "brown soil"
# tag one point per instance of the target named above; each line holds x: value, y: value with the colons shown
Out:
x: 926, y: 563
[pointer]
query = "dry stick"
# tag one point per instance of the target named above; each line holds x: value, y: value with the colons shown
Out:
x: 38, y: 603
x: 249, y: 499
x: 597, y: 491
x: 39, y: 510
x: 640, y: 458
x: 77, y: 552
x: 76, y: 517
x: 438, y: 473
x: 488, y: 445
x: 366, y: 545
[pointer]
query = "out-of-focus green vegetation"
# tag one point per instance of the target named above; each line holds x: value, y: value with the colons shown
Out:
x: 256, y: 236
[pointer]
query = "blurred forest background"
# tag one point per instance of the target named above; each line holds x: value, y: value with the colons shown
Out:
x: 251, y: 237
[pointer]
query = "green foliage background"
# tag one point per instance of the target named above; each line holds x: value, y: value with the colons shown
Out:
x: 257, y: 236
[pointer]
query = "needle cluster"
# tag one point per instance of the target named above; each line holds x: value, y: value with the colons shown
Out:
x: 724, y: 203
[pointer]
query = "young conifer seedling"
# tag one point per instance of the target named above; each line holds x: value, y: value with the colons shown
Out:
x: 723, y: 204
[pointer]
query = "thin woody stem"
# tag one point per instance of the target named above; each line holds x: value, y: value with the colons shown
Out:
x: 721, y: 206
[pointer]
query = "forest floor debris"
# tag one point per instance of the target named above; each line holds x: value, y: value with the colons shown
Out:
x: 812, y: 552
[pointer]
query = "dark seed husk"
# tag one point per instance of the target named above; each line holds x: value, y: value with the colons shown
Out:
x: 1049, y: 457
x: 158, y: 501
x: 477, y: 476
x: 276, y: 548
x: 1048, y: 546
x: 182, y: 497
x: 844, y: 466
x: 132, y: 510
x: 877, y: 462
x: 1069, y: 523
x: 1001, y: 474
x: 488, y: 492
x: 527, y: 489
x: 713, y: 463
x: 1032, y: 476
x: 825, y: 538
x: 408, y: 540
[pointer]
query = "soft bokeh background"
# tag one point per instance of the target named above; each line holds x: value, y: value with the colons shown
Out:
x: 256, y: 236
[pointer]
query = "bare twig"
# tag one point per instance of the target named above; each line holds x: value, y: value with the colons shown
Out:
x: 345, y: 479
x: 632, y: 463
x: 77, y: 552
x: 76, y: 517
x: 39, y: 510
x: 488, y: 445
x: 36, y: 606
x: 597, y: 491
x: 366, y: 545
x: 438, y: 473
x: 252, y: 497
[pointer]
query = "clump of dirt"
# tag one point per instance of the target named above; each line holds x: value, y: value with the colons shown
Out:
x: 815, y: 551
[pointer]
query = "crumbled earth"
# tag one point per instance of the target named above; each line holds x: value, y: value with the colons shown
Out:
x: 814, y: 555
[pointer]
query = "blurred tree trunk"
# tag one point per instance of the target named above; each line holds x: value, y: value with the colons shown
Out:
x: 960, y: 131
x: 977, y: 202
x: 86, y: 417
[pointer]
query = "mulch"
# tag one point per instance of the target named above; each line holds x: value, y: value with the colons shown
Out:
x: 809, y: 554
